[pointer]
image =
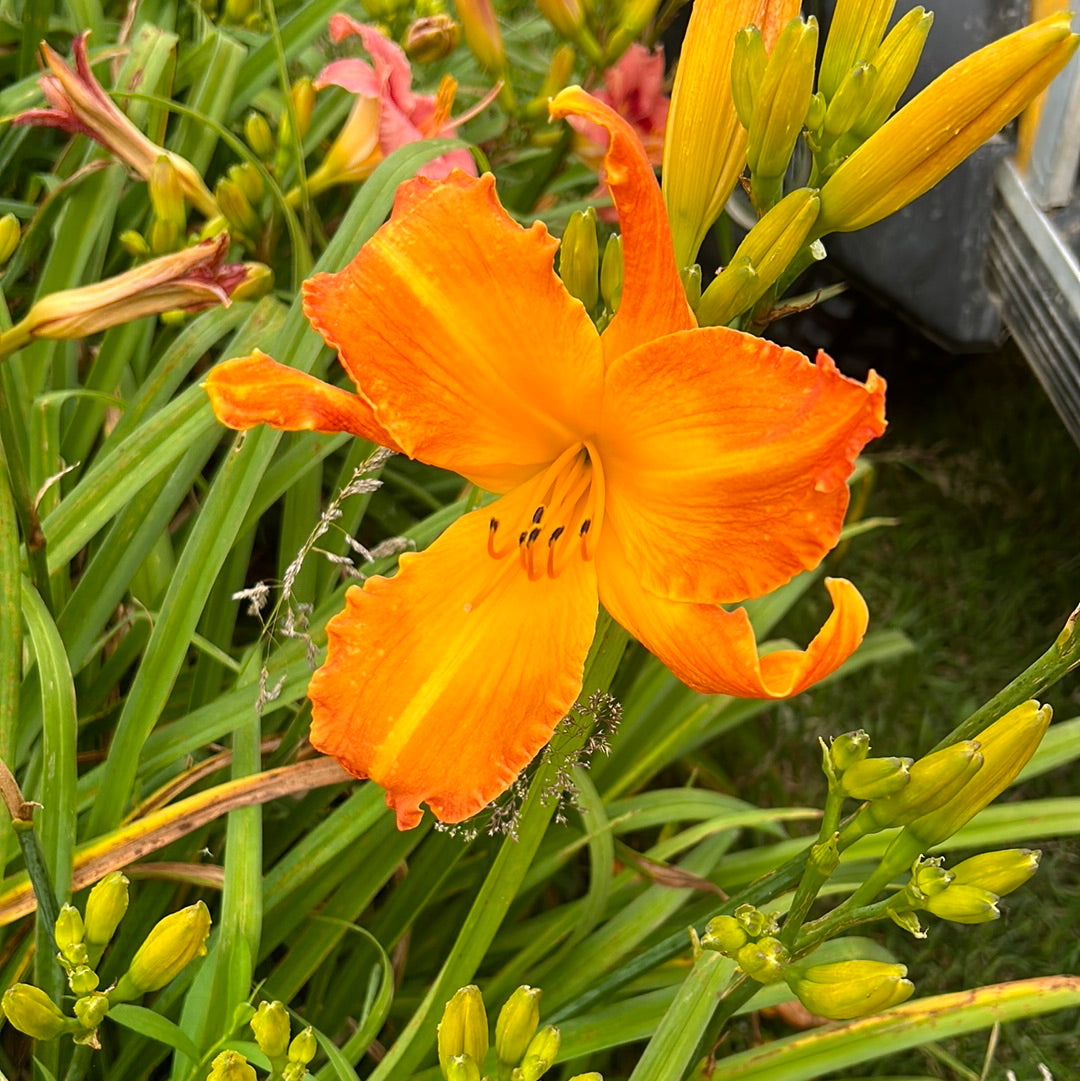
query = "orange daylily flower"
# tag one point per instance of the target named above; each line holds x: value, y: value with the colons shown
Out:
x: 660, y: 468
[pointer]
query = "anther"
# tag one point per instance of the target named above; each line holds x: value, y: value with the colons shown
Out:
x: 493, y: 525
x: 521, y: 537
x: 538, y: 514
x: 585, y: 526
x: 533, y: 534
x: 556, y: 533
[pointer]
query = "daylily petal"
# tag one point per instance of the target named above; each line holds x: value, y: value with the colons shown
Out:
x: 453, y: 324
x: 653, y: 301
x: 725, y: 460
x: 714, y: 651
x: 257, y: 390
x: 391, y: 63
x: 442, y: 683
x: 350, y: 74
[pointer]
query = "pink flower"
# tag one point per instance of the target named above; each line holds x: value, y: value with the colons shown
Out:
x: 387, y: 113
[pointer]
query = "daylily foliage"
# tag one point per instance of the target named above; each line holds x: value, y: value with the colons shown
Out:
x: 659, y: 468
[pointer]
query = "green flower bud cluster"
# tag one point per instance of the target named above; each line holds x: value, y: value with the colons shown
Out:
x: 288, y: 1058
x: 749, y: 938
x: 239, y: 194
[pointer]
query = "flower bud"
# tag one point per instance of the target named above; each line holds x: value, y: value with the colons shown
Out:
x: 999, y: 872
x: 431, y: 38
x: 250, y: 182
x: 587, y: 1077
x: 541, y: 1053
x: 854, y: 35
x: 258, y: 135
x: 105, y: 908
x: 849, y: 748
x: 747, y: 70
x: 874, y: 778
x: 690, y: 276
x: 765, y: 253
x: 634, y: 16
x: 82, y: 979
x: 170, y: 947
x: 91, y: 1009
x: 482, y: 34
x: 271, y: 1027
x: 850, y: 100
x: 303, y: 1047
x: 69, y: 934
x: 237, y: 208
x: 517, y: 1024
x: 724, y: 934
x: 461, y: 1068
x: 463, y: 1029
x: 579, y: 258
x: 565, y: 16
x: 170, y: 210
x: 754, y: 921
x: 611, y: 273
x: 134, y: 243
x: 10, y: 234
x: 964, y: 904
x: 943, y: 124
x: 559, y: 73
x: 231, y: 1066
x: 302, y: 95
x: 763, y: 960
x: 849, y: 989
x: 32, y: 1012
x: 782, y: 101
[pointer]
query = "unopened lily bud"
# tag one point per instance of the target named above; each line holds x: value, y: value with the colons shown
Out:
x: 231, y: 1066
x: 431, y: 38
x: 238, y: 12
x: 690, y: 276
x: 634, y: 16
x: 560, y: 71
x: 105, y: 908
x: 964, y: 904
x: 516, y: 1026
x: 579, y: 258
x: 69, y: 934
x: 815, y: 113
x: 167, y: 195
x: 850, y: 100
x: 302, y: 95
x: 257, y: 282
x: 849, y: 989
x: 942, y: 125
x: 541, y: 1053
x: 236, y: 207
x: 461, y: 1068
x: 250, y: 182
x: 10, y: 234
x: 565, y: 16
x: 482, y: 34
x: 854, y: 35
x: 747, y: 70
x: 930, y: 878
x: 1006, y: 747
x: 463, y: 1029
x: 782, y: 100
x: 611, y: 273
x: 171, y: 946
x: 999, y: 872
x: 725, y: 934
x: 753, y: 920
x: 849, y: 748
x: 895, y: 63
x: 874, y: 778
x: 82, y: 979
x: 271, y: 1027
x: 32, y: 1012
x: 765, y: 253
x: 763, y: 960
x: 91, y: 1009
x: 303, y: 1047
x: 258, y: 135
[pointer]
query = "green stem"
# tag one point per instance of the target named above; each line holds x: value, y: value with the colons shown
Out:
x: 79, y: 1064
x: 842, y: 918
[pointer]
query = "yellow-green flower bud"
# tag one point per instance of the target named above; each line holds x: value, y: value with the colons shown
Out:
x: 170, y: 947
x: 930, y: 878
x: 748, y: 63
x: 10, y: 234
x: 461, y: 1068
x: 634, y: 16
x: 587, y: 1077
x: 258, y: 135
x: 231, y: 1066
x: 32, y: 1012
x: 482, y: 35
x: 258, y: 281
x: 91, y: 1009
x: 849, y: 748
x: 725, y: 934
x: 765, y: 253
x: 303, y: 1047
x: 565, y: 16
x: 895, y: 63
x: 611, y: 273
x: 463, y: 1029
x: 302, y: 93
x: 559, y: 73
x: 236, y: 207
x: 579, y: 258
x: 690, y: 276
x: 540, y: 1055
x: 82, y: 979
x: 854, y: 35
x: 134, y: 243
x: 782, y: 100
x: 105, y: 908
x: 850, y: 100
x: 815, y: 113
x: 70, y: 933
x: 999, y: 872
x: 849, y: 989
x: 247, y: 177
x: 271, y: 1027
x: 431, y: 38
x: 753, y: 920
x: 517, y: 1024
x: 874, y: 778
x: 763, y: 960
x: 167, y: 193
x: 964, y: 904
